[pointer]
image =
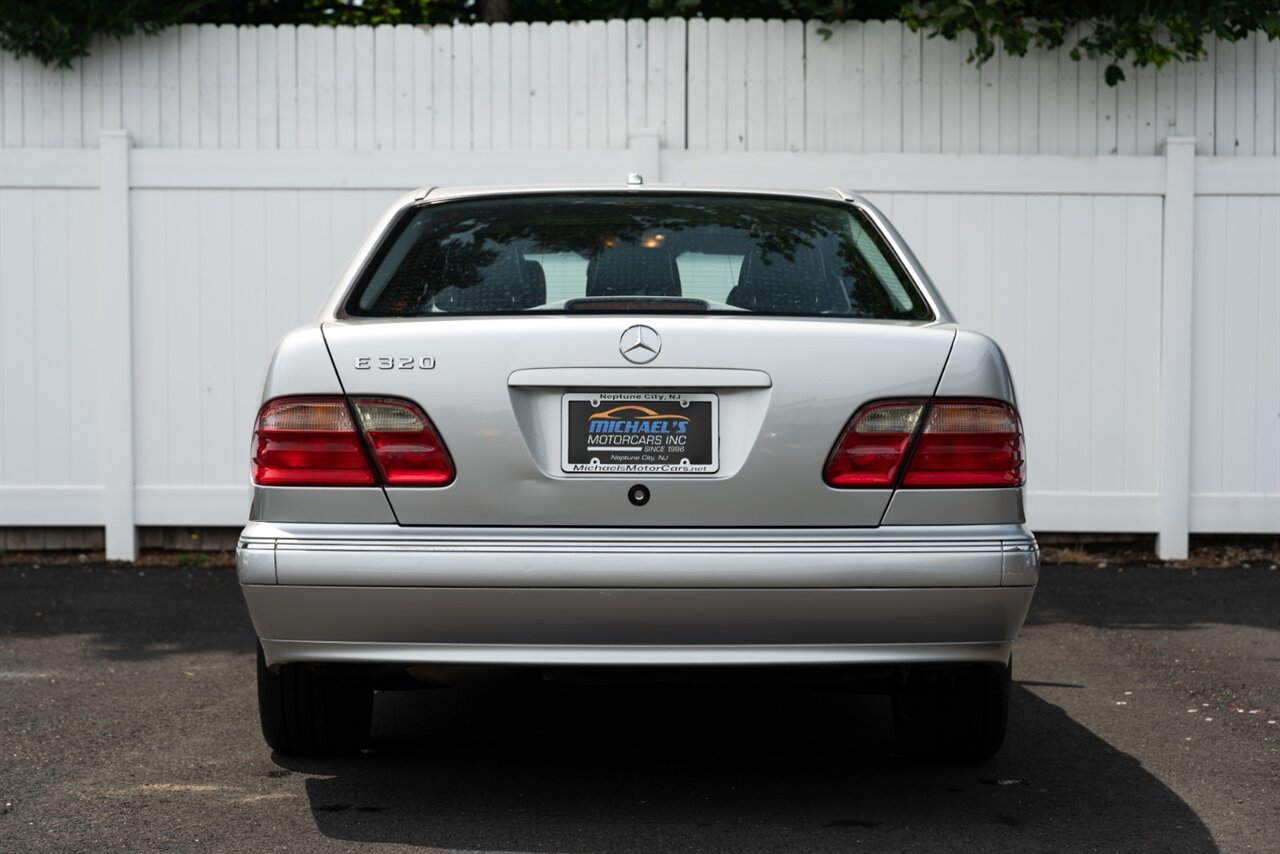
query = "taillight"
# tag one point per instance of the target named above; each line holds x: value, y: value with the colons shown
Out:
x: 948, y: 443
x: 872, y: 449
x: 968, y: 443
x: 406, y: 448
x: 308, y: 441
x: 313, y: 441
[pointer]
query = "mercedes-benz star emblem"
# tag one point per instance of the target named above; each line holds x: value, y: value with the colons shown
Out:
x: 640, y: 344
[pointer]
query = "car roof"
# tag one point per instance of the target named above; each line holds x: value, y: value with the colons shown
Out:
x: 451, y: 193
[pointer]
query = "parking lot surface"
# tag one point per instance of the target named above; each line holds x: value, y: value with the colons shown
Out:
x: 1144, y: 719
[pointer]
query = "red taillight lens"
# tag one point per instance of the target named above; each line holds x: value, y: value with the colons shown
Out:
x: 871, y: 451
x: 407, y: 449
x: 968, y: 443
x: 962, y: 443
x: 312, y: 441
x: 308, y: 441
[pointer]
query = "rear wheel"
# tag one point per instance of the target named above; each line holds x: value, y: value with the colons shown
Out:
x: 304, y: 712
x: 955, y: 715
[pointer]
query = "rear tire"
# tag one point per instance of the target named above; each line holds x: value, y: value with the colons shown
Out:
x: 955, y: 715
x: 305, y: 713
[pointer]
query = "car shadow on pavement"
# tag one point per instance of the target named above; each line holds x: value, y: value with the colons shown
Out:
x: 687, y: 768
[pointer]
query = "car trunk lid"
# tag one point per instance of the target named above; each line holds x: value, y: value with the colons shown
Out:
x: 498, y: 389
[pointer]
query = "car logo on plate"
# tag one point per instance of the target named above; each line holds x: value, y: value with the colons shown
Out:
x: 640, y: 344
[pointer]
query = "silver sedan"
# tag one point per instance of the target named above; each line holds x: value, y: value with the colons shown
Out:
x: 631, y: 429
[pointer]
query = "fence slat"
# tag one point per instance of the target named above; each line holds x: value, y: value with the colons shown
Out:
x: 1243, y: 96
x: 327, y: 88
x: 558, y: 85
x: 775, y: 85
x: 207, y: 87
x: 705, y: 84
x: 579, y: 85
x: 1148, y: 110
x: 1088, y: 107
x: 794, y: 41
x: 970, y: 98
x: 344, y: 89
x: 1206, y: 75
x: 268, y: 91
x: 989, y: 105
x: 1241, y: 286
x: 1124, y: 97
x: 597, y: 83
x: 50, y: 103
x: 1075, y: 313
x: 480, y: 81
x: 1266, y: 69
x: 951, y: 63
x: 1009, y: 99
x: 12, y: 100
x: 442, y: 87
x: 736, y: 85
x: 912, y: 86
x: 72, y: 110
x: 308, y: 88
x: 521, y: 83
x: 1107, y: 342
x: 462, y: 118
x: 717, y: 84
x: 228, y: 89
x: 656, y: 77
x: 1142, y: 351
x: 675, y: 86
x: 697, y: 84
x: 246, y: 79
x: 1166, y: 98
x: 873, y: 88
x: 1224, y: 110
x: 931, y: 96
x: 617, y: 93
x: 384, y: 88
x: 1028, y: 86
x: 637, y: 71
x: 1068, y: 105
x: 539, y: 86
x: 1046, y: 105
x: 500, y: 105
x: 287, y: 86
x: 755, y: 64
x: 402, y: 113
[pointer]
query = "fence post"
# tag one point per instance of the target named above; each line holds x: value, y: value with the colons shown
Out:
x: 644, y: 155
x: 1176, y: 285
x: 115, y: 362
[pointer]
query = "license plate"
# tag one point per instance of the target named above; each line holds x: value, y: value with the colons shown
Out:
x: 640, y: 433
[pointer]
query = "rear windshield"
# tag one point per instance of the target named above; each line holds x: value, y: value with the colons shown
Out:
x: 636, y: 253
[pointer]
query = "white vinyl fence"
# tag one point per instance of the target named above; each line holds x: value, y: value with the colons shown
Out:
x: 144, y: 277
x: 704, y: 85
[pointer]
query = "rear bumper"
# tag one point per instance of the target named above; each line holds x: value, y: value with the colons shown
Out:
x: 385, y: 594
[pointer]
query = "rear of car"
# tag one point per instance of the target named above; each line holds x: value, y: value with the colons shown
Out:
x: 601, y: 428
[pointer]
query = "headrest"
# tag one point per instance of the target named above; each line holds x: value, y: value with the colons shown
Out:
x: 627, y: 270
x: 772, y: 284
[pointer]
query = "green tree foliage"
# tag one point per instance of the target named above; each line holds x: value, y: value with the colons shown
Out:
x: 1144, y: 32
x: 58, y: 31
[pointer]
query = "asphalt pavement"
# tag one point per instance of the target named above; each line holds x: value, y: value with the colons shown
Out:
x: 1144, y: 719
